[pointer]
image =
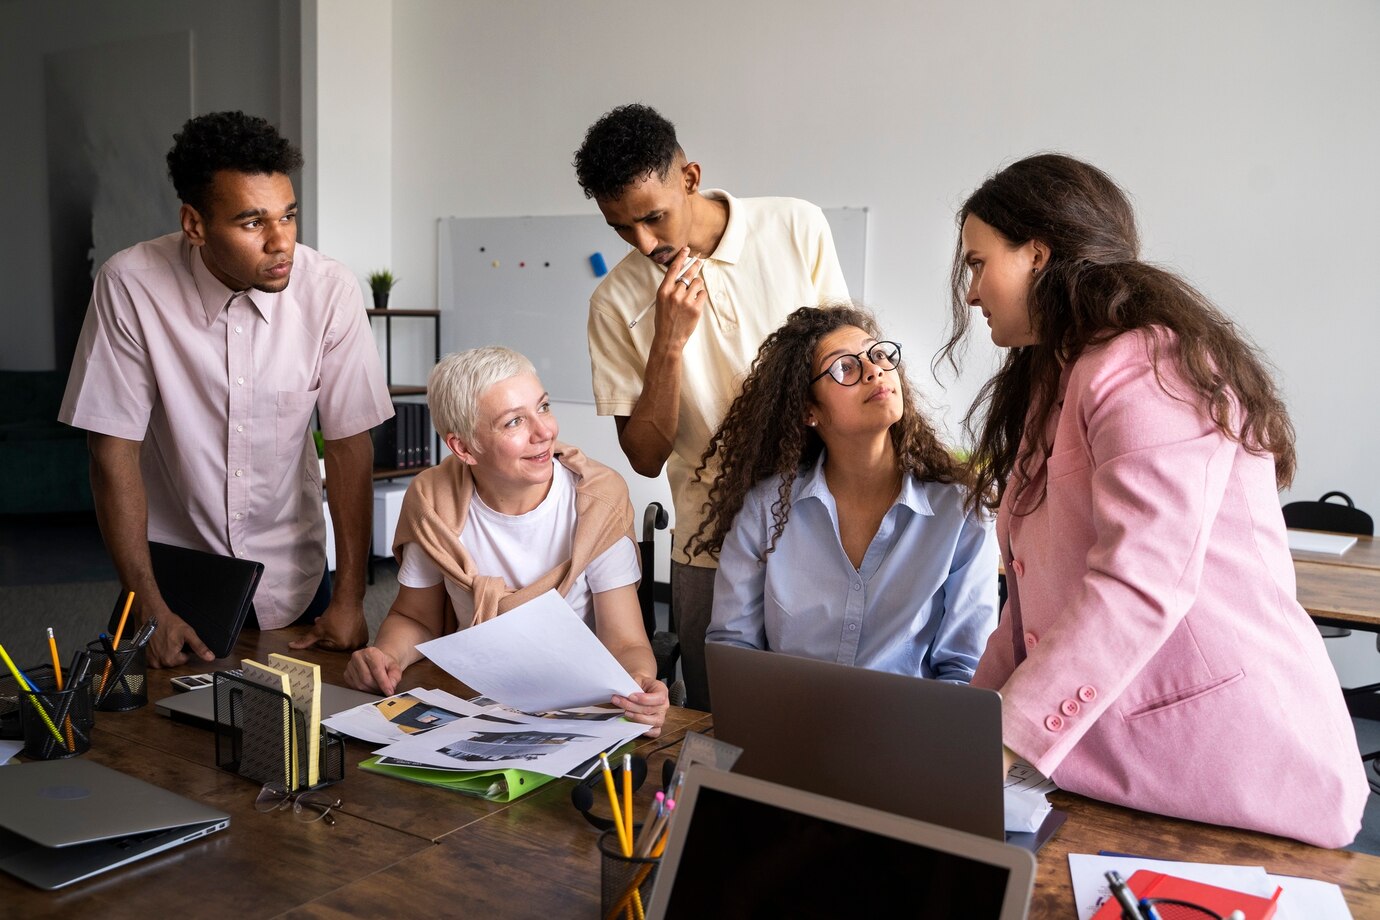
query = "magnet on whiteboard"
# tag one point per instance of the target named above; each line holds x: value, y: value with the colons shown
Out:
x: 494, y: 263
x: 597, y: 263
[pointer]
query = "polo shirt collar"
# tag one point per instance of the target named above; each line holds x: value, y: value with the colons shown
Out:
x: 812, y: 484
x: 730, y: 246
x: 215, y: 296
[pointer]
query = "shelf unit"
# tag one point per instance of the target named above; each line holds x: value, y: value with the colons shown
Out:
x: 395, y: 389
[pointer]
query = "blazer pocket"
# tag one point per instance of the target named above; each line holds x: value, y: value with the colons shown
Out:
x: 294, y: 410
x: 1181, y: 696
x: 1067, y: 463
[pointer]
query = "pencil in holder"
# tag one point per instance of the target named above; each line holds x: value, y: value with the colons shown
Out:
x: 623, y: 879
x: 11, y: 728
x: 119, y: 677
x: 56, y: 723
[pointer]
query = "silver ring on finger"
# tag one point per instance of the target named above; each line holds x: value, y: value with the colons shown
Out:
x: 684, y: 281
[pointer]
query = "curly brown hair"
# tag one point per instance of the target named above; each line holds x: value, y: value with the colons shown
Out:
x: 1094, y: 288
x: 764, y: 433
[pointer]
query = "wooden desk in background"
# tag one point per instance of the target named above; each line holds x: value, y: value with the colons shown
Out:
x: 398, y: 848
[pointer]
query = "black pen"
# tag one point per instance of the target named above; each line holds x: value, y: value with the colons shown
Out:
x: 1129, y: 909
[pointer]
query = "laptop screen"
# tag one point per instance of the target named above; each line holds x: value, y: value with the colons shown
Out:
x: 741, y: 854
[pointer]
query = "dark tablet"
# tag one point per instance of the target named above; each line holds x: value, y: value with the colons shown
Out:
x: 211, y: 592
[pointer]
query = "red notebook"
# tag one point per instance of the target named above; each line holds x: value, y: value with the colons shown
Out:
x: 1147, y: 884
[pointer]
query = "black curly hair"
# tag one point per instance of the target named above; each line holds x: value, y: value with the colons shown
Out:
x: 226, y: 140
x: 764, y: 435
x: 622, y: 147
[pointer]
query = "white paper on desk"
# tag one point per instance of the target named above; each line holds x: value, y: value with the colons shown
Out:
x: 536, y: 657
x: 1303, y: 898
x: 430, y: 709
x: 1024, y: 793
x: 551, y: 747
x: 1309, y: 899
x: 8, y: 749
x: 1313, y: 542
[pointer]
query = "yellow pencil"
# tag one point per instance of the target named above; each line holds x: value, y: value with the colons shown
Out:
x: 25, y: 684
x: 57, y: 677
x: 617, y: 812
x: 57, y: 663
x: 627, y: 799
x: 115, y: 643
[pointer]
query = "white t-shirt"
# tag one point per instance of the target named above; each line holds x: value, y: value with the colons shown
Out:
x: 521, y: 548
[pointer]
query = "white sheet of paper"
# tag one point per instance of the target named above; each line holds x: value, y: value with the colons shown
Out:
x: 8, y: 749
x: 536, y: 657
x: 1309, y: 899
x: 1314, y: 542
x: 1090, y: 890
x: 1023, y: 793
x: 1303, y: 898
x: 549, y: 746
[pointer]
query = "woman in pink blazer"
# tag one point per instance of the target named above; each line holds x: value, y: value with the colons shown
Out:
x: 1152, y: 652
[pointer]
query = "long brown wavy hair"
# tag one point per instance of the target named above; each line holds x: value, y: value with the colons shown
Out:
x: 1094, y: 287
x: 764, y: 433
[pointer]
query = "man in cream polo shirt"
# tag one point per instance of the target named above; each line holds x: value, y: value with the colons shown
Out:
x: 676, y: 324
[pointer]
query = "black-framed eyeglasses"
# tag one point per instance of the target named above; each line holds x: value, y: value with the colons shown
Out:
x: 847, y: 370
x: 306, y: 806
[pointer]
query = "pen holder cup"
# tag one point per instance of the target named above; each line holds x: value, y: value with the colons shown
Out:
x: 119, y: 678
x: 57, y: 723
x: 10, y: 726
x: 621, y: 875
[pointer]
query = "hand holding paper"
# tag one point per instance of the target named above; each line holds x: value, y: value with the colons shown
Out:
x: 536, y: 657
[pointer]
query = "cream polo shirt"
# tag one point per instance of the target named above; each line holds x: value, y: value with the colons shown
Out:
x: 776, y: 254
x: 220, y: 387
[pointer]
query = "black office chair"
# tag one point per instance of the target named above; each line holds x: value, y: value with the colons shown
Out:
x: 1325, y: 515
x: 665, y: 644
x: 1338, y: 518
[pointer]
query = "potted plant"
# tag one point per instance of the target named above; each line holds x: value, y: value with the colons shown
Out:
x: 381, y: 283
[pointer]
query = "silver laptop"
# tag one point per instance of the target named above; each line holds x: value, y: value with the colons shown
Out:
x: 924, y: 749
x: 62, y: 821
x: 744, y: 847
x: 198, y: 707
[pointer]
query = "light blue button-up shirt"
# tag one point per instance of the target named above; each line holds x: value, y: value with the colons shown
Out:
x: 923, y: 602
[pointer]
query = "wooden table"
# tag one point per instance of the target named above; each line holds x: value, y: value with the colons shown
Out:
x: 403, y: 849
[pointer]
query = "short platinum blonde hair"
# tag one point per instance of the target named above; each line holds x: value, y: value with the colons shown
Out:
x: 457, y: 382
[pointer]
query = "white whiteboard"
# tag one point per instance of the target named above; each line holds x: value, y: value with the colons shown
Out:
x: 525, y: 282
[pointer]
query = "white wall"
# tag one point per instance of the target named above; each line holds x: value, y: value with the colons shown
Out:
x: 348, y: 139
x: 1245, y: 130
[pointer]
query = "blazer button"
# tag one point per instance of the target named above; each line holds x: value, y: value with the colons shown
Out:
x: 1018, y: 567
x: 1054, y: 723
x: 1069, y: 707
x: 1031, y: 640
x: 1087, y: 694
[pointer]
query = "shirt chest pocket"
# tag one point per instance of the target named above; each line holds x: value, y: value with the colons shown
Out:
x: 293, y: 415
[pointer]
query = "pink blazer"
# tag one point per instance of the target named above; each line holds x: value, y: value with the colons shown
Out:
x: 1152, y: 653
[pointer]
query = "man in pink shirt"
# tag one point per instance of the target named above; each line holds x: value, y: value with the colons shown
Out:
x: 201, y: 360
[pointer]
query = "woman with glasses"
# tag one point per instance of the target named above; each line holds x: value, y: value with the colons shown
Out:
x: 510, y: 515
x: 1151, y: 652
x: 838, y: 516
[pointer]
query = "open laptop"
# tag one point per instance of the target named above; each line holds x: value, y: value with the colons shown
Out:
x: 744, y: 847
x: 62, y: 821
x: 211, y: 592
x: 924, y: 749
x: 198, y: 707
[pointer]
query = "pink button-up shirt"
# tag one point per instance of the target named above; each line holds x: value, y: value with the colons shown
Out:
x: 220, y: 386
